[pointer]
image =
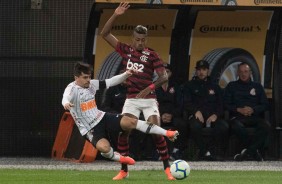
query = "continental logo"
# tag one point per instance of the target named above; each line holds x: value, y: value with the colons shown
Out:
x: 198, y: 1
x: 258, y: 2
x: 127, y: 27
x: 221, y: 28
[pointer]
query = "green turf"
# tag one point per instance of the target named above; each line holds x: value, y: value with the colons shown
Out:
x: 11, y: 176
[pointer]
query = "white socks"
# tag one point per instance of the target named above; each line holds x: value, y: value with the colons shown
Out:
x: 149, y: 128
x: 111, y: 155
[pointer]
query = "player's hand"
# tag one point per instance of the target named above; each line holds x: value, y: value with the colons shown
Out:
x: 249, y: 110
x: 199, y: 116
x: 123, y: 6
x: 143, y: 93
x: 212, y: 118
x: 131, y: 72
x: 246, y: 111
x: 68, y: 106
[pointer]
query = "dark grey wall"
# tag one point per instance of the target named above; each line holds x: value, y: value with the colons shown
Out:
x: 38, y: 49
x: 57, y: 30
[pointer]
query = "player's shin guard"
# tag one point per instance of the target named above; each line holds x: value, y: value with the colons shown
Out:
x: 162, y: 149
x: 149, y: 128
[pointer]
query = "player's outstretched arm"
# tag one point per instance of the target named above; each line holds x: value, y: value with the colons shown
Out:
x: 106, y: 31
x: 115, y: 80
x: 163, y: 78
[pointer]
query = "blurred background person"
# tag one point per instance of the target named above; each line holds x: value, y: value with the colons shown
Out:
x: 246, y: 101
x: 204, y: 105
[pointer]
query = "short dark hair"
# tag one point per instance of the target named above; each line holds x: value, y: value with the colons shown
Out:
x: 141, y: 29
x: 242, y: 63
x: 81, y: 67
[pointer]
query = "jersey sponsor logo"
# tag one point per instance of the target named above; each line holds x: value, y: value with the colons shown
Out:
x: 146, y: 53
x: 85, y: 106
x: 172, y: 90
x: 135, y: 66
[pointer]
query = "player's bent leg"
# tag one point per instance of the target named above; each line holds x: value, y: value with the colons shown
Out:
x: 106, y: 150
x: 128, y: 123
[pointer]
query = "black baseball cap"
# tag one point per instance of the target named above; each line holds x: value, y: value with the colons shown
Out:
x: 202, y: 64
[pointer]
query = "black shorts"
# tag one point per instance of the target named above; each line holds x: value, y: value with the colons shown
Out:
x: 109, y: 123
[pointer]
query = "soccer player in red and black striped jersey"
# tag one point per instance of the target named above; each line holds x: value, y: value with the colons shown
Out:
x: 141, y: 95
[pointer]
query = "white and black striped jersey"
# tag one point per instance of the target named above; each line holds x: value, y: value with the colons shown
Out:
x: 85, y: 112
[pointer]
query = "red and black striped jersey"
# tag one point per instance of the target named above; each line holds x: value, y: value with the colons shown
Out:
x: 145, y: 62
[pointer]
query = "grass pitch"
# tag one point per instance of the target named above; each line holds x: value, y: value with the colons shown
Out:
x: 24, y: 176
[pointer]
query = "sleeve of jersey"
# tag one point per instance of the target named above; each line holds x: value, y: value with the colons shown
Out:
x: 116, y: 80
x: 121, y: 48
x: 157, y: 62
x: 68, y: 94
x: 95, y: 83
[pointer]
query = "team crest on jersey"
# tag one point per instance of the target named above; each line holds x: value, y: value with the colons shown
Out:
x: 211, y: 92
x: 146, y: 52
x: 171, y: 90
x: 144, y: 58
x: 253, y: 92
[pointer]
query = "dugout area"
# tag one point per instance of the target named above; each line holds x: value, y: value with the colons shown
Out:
x: 39, y: 47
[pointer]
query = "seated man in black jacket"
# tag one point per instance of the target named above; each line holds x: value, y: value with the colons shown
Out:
x: 246, y: 101
x: 204, y: 104
x: 169, y: 99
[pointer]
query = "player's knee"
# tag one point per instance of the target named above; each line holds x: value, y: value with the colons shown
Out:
x: 154, y: 120
x: 103, y: 146
x: 128, y: 123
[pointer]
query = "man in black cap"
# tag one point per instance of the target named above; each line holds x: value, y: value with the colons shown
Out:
x: 204, y: 106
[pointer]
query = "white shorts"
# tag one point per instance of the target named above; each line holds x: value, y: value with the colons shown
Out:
x: 135, y: 106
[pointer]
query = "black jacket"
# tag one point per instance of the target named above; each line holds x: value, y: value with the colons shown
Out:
x: 169, y: 100
x: 204, y: 96
x: 238, y: 94
x: 114, y: 99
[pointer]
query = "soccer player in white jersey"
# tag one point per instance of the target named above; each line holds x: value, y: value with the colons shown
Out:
x: 79, y: 99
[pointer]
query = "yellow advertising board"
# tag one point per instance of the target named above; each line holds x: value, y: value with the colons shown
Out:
x: 203, y: 2
x: 159, y: 23
x: 223, y: 32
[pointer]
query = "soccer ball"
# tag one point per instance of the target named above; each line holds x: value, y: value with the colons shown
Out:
x: 180, y: 169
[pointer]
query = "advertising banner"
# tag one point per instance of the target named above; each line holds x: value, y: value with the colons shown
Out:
x: 227, y: 38
x: 159, y: 23
x: 203, y: 2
